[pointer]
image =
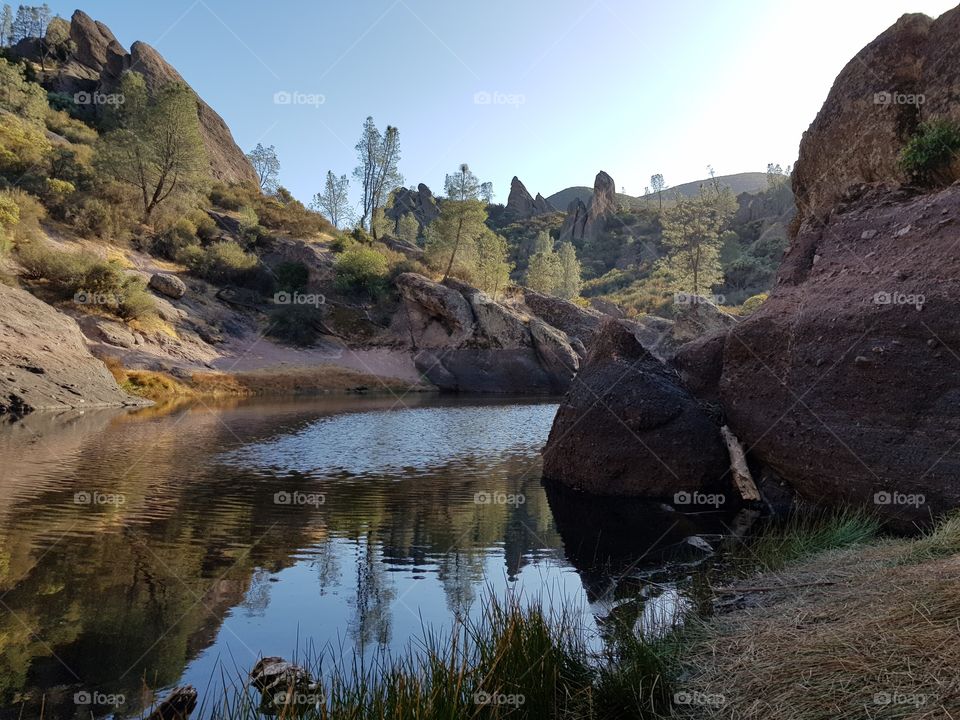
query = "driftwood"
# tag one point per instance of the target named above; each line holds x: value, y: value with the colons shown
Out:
x: 738, y: 466
x: 177, y: 706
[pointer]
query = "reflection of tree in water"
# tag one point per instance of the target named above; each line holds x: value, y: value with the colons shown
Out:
x: 459, y: 574
x: 327, y: 565
x: 258, y: 596
x: 371, y: 602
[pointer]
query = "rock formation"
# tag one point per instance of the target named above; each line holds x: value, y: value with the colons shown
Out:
x: 464, y: 341
x: 97, y: 66
x: 874, y: 106
x: 44, y: 361
x: 420, y: 203
x: 628, y: 427
x: 586, y: 222
x: 522, y: 206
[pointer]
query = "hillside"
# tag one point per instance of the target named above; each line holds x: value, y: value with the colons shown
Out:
x: 749, y: 182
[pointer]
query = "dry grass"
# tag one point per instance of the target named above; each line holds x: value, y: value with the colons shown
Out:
x: 162, y: 387
x: 880, y: 642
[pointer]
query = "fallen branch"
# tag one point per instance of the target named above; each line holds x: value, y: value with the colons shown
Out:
x: 738, y: 466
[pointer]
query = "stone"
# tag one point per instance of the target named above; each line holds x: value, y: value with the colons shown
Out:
x: 169, y: 285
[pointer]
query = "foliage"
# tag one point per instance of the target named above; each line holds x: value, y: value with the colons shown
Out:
x: 295, y: 324
x: 221, y: 262
x: 361, y: 269
x: 377, y: 173
x: 570, y: 281
x: 291, y: 276
x: 408, y: 228
x: 462, y: 185
x: 753, y: 303
x: 929, y: 157
x: 18, y: 95
x: 157, y: 147
x: 9, y: 219
x: 544, y: 273
x: 334, y: 201
x: 23, y: 147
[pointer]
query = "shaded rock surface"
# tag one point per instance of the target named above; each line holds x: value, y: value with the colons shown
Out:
x: 45, y: 363
x: 586, y: 222
x: 466, y: 342
x: 628, y: 427
x: 521, y: 205
x: 420, y: 203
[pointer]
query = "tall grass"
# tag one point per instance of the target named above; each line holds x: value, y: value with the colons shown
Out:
x: 524, y: 662
x: 804, y: 534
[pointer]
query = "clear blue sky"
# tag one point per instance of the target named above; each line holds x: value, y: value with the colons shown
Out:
x: 628, y: 86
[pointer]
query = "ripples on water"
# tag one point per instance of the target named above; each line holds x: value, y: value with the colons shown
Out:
x: 145, y: 550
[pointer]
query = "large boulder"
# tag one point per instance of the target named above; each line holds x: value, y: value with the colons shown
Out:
x: 44, y: 361
x: 628, y: 427
x: 464, y: 341
x: 845, y: 382
x: 912, y: 70
x: 575, y: 321
x: 169, y: 285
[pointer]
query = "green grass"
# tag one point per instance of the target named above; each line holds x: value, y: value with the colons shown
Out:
x: 805, y: 534
x: 942, y: 541
x: 517, y: 662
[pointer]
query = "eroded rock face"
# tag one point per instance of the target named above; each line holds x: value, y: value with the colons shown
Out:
x: 846, y: 382
x: 100, y: 55
x: 521, y: 205
x: 44, y: 361
x: 587, y: 222
x: 873, y: 108
x: 627, y: 427
x: 420, y: 203
x: 466, y: 342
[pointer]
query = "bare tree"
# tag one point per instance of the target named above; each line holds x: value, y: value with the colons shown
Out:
x: 334, y: 201
x: 266, y: 165
x: 377, y: 173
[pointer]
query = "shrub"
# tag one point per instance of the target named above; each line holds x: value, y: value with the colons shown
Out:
x: 231, y: 197
x: 59, y: 122
x: 291, y: 276
x: 20, y: 96
x: 752, y: 304
x: 248, y: 217
x: 206, y: 227
x: 295, y: 324
x: 291, y: 217
x: 342, y: 242
x: 173, y: 240
x: 9, y: 219
x: 23, y: 147
x: 930, y: 154
x: 361, y: 269
x: 29, y: 212
x: 92, y: 217
x: 222, y: 262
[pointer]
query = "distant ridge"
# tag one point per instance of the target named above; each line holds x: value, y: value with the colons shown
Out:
x: 749, y: 182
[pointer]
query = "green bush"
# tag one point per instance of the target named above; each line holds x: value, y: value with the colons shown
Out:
x: 752, y: 304
x: 171, y: 242
x: 291, y: 276
x: 361, y: 269
x: 222, y: 262
x: 206, y: 227
x: 295, y: 324
x: 930, y: 154
x: 92, y: 217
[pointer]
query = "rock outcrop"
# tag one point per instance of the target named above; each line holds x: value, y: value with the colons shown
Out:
x: 420, y: 203
x: 585, y: 223
x: 44, y: 361
x: 627, y: 427
x: 522, y: 206
x: 464, y: 341
x: 100, y: 60
x: 874, y: 106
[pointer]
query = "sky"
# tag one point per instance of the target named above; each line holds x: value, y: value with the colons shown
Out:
x: 552, y: 91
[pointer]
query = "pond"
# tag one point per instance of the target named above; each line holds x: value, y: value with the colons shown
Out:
x: 144, y: 550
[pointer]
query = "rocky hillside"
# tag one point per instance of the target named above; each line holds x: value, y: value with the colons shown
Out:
x: 844, y: 385
x: 95, y: 67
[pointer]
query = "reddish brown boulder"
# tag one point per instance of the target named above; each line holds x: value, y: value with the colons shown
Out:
x: 628, y: 427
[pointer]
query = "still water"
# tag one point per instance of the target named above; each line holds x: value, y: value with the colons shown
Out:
x: 144, y: 550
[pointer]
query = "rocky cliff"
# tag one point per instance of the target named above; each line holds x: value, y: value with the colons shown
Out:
x: 420, y: 203
x: 97, y: 64
x: 522, y: 206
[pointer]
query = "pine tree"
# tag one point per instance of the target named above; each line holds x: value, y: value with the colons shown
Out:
x: 6, y: 26
x: 570, y: 281
x: 408, y: 228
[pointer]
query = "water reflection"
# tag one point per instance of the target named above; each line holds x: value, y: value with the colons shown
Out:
x: 138, y: 551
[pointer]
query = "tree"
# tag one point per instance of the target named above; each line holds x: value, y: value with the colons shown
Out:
x: 486, y: 192
x: 408, y: 228
x: 334, y: 201
x: 492, y: 271
x: 22, y: 25
x: 544, y: 273
x: 658, y: 185
x: 570, y: 280
x: 776, y: 178
x: 6, y: 26
x: 158, y: 148
x: 378, y: 172
x: 56, y: 39
x: 452, y: 237
x: 266, y: 165
x: 462, y: 185
x: 691, y: 234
